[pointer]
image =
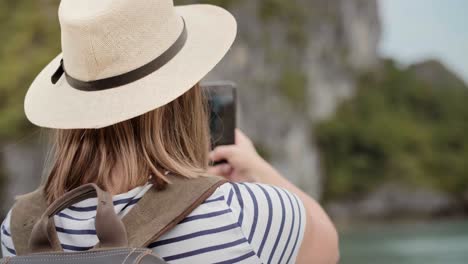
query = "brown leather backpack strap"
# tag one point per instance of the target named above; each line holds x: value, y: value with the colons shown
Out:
x: 155, y: 214
x: 159, y: 211
x: 24, y: 215
x: 109, y: 228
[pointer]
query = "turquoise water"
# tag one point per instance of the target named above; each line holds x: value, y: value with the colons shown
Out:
x: 415, y: 243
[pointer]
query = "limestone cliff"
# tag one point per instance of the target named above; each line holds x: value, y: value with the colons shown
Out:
x: 294, y: 62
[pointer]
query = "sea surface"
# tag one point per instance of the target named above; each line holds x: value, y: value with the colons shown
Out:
x: 406, y: 243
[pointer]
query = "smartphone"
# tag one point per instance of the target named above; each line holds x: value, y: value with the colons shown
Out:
x: 222, y: 105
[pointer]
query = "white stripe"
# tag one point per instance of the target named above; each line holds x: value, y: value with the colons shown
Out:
x: 79, y: 241
x: 274, y: 229
x: 287, y: 227
x: 302, y: 216
x: 248, y: 214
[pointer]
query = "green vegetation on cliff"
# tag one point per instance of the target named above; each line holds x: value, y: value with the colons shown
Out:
x: 400, y: 127
x: 292, y: 14
x: 293, y: 86
x: 30, y: 39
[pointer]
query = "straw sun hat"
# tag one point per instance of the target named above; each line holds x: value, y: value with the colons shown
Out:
x: 123, y: 58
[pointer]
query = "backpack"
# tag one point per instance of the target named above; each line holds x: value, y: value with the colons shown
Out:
x: 120, y: 240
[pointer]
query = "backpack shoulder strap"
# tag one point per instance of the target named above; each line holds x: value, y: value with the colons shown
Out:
x: 159, y: 211
x: 155, y: 214
x: 27, y: 210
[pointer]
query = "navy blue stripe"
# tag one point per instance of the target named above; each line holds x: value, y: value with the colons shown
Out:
x: 221, y: 198
x: 298, y: 229
x: 280, y: 232
x: 238, y: 259
x: 193, y: 235
x: 241, y: 203
x: 205, y: 250
x: 82, y: 209
x: 5, y: 232
x: 270, y: 218
x: 93, y: 208
x: 75, y: 248
x: 132, y: 202
x: 75, y: 231
x: 292, y: 227
x: 229, y: 200
x: 207, y: 215
x: 73, y: 218
x: 12, y: 251
x: 255, y: 216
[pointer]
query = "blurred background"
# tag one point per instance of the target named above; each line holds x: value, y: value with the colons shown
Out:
x: 362, y: 103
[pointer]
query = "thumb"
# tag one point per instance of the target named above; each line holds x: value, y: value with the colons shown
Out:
x: 223, y: 153
x: 221, y: 170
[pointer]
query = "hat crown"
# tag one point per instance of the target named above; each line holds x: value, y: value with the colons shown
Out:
x: 106, y: 38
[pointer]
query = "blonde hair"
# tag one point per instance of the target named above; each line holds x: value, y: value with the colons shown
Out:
x: 173, y: 138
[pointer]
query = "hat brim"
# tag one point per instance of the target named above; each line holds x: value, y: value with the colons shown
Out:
x: 211, y: 32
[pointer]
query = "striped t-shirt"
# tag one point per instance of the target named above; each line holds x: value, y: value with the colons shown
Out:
x: 238, y: 223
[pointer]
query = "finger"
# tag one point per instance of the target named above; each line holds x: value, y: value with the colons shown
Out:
x: 220, y: 170
x: 223, y: 153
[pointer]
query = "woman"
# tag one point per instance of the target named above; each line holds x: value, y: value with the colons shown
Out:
x: 125, y: 106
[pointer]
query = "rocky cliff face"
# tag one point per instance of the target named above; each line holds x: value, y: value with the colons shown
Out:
x: 294, y: 62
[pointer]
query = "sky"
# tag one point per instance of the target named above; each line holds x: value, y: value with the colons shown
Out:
x: 416, y: 30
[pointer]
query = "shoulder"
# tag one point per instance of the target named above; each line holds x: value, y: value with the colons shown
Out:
x: 272, y: 219
x: 245, y: 220
x: 258, y: 197
x: 20, y: 220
